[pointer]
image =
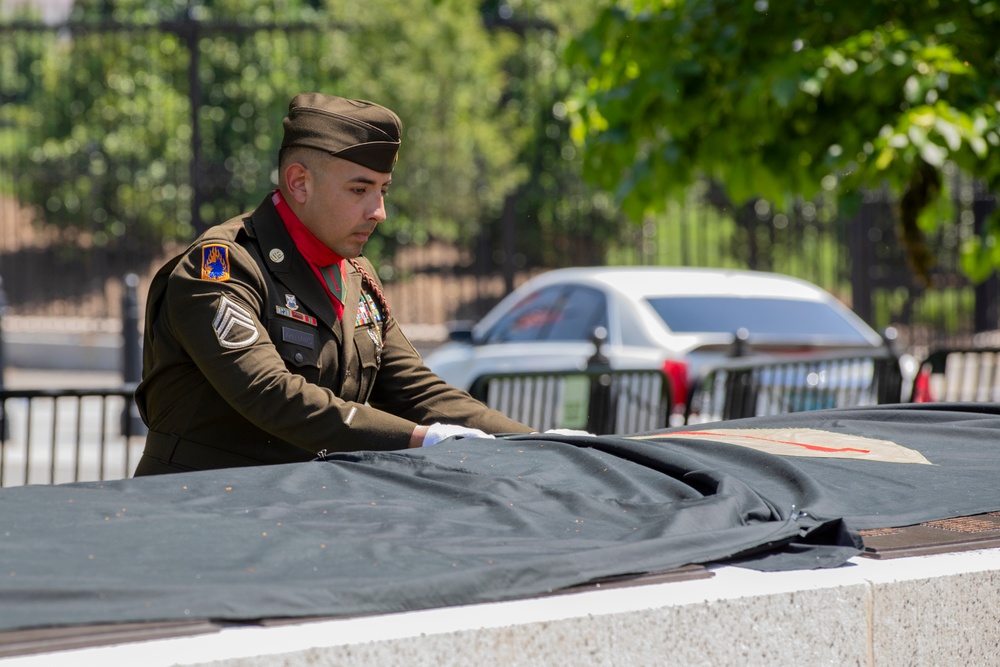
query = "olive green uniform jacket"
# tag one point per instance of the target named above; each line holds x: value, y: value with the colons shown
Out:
x: 257, y: 369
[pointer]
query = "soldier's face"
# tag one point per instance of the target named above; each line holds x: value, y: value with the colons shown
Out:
x: 344, y: 204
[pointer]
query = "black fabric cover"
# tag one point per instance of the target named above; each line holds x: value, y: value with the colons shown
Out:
x: 473, y: 520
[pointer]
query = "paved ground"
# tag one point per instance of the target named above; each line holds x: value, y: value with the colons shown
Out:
x: 26, y: 378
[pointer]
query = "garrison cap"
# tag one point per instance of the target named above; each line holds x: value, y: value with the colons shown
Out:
x: 356, y: 130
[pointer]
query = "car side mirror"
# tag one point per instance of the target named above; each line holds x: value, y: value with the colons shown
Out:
x: 461, y: 332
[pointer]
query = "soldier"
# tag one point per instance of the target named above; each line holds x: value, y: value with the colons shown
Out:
x: 269, y: 339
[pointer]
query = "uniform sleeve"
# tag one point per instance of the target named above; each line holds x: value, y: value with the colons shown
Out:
x: 219, y: 324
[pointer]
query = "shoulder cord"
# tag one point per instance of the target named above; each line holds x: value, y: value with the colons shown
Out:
x: 379, y: 296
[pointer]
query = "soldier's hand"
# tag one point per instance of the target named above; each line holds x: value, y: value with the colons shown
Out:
x: 438, y: 432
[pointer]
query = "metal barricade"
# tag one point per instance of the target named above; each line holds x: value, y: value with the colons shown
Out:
x: 757, y: 386
x: 959, y: 374
x: 67, y: 435
x: 601, y: 401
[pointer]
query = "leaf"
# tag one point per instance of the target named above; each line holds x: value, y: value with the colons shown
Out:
x: 784, y: 91
x: 977, y: 260
x: 933, y: 154
x: 949, y: 132
x: 849, y: 204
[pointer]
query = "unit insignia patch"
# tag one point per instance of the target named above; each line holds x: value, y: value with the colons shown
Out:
x: 215, y: 262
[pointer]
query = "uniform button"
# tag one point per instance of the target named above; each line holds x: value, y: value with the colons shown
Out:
x: 299, y: 357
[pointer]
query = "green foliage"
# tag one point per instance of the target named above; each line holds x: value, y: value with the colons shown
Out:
x: 946, y: 311
x: 97, y: 181
x: 107, y: 125
x: 97, y: 123
x: 560, y: 220
x: 791, y: 99
x: 436, y: 65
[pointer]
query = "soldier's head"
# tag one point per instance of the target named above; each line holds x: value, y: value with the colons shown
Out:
x: 335, y: 165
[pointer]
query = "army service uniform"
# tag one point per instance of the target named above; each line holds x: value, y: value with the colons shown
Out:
x: 246, y: 363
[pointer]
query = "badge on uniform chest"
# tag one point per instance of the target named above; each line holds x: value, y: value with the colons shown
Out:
x: 368, y: 312
x: 295, y: 315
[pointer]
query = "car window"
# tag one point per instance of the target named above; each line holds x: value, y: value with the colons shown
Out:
x: 528, y: 318
x: 760, y: 316
x: 561, y: 312
x: 582, y: 309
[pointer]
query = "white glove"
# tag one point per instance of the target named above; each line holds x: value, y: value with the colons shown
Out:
x: 569, y: 431
x: 438, y: 432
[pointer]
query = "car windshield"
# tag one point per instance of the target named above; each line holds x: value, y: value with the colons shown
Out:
x: 759, y: 315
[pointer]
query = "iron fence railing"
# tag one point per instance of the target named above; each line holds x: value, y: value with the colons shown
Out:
x: 601, y: 401
x: 53, y: 436
x: 756, y: 386
x: 959, y: 374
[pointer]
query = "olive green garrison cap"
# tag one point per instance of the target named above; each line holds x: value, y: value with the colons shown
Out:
x: 356, y: 130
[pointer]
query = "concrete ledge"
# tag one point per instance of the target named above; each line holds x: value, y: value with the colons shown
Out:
x: 928, y: 610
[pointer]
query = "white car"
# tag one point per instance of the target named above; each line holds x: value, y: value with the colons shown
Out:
x: 672, y: 319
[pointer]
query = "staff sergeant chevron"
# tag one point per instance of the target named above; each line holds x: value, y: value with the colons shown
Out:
x: 234, y: 325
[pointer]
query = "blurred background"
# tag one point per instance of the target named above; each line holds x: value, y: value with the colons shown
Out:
x: 851, y: 144
x: 128, y: 127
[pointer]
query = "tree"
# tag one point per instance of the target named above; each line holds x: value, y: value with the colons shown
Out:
x: 560, y: 219
x: 85, y: 180
x: 787, y: 99
x: 101, y: 134
x: 435, y: 64
x: 107, y: 123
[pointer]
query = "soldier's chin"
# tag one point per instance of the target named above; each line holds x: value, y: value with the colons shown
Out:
x: 357, y: 246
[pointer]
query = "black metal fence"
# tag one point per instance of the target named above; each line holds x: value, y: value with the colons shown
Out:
x: 601, y: 401
x: 967, y: 374
x: 752, y: 387
x: 597, y: 398
x: 68, y: 435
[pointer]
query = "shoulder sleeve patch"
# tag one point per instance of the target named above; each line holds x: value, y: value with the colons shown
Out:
x: 234, y: 325
x: 215, y: 262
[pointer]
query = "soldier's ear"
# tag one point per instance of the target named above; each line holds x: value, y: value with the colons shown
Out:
x: 298, y: 181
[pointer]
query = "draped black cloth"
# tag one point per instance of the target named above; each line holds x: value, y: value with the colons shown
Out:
x: 479, y: 520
